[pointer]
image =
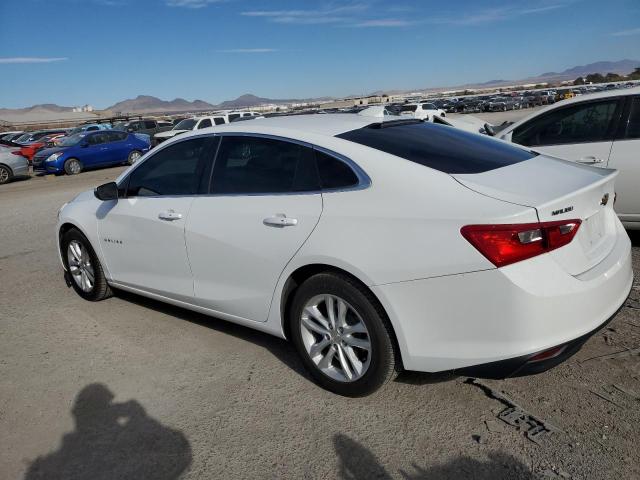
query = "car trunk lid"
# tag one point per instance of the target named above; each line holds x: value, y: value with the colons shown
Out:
x: 559, y: 190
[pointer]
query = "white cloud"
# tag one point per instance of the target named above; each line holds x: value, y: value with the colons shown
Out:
x: 32, y: 59
x: 384, y: 22
x: 307, y: 17
x: 626, y: 33
x: 191, y: 3
x: 248, y: 50
x: 492, y: 15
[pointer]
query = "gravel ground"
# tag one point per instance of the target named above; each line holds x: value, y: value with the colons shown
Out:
x: 131, y: 388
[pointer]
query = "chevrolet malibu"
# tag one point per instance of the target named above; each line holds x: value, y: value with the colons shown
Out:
x: 374, y: 246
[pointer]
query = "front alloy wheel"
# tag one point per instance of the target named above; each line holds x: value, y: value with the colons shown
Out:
x: 80, y: 266
x: 336, y: 338
x: 84, y: 271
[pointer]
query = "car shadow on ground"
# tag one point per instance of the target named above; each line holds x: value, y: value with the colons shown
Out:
x: 279, y: 348
x: 113, y: 440
x: 356, y: 462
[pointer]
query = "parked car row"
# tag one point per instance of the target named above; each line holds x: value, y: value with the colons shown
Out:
x: 197, y: 123
x: 58, y: 153
x: 69, y: 151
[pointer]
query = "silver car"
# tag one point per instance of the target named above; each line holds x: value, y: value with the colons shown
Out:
x: 11, y: 165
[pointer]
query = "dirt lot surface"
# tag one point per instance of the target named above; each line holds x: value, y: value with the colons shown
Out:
x: 129, y: 388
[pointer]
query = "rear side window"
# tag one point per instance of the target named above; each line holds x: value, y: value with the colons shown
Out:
x: 149, y: 124
x: 633, y: 125
x: 233, y: 116
x: 334, y: 173
x: 584, y: 122
x: 439, y: 147
x: 255, y: 165
x: 98, y: 138
x: 115, y: 136
x: 204, y: 123
x: 174, y: 170
x: 218, y: 120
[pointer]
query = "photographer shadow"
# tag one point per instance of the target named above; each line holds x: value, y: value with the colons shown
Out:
x: 114, y: 440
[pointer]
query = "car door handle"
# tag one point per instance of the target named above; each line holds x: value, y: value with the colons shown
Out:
x: 280, y: 220
x: 169, y: 215
x: 590, y: 159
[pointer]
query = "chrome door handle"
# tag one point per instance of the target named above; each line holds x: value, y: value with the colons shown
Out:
x: 280, y: 220
x: 591, y: 159
x: 170, y: 215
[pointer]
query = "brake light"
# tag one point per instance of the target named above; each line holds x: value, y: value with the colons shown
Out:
x: 506, y: 244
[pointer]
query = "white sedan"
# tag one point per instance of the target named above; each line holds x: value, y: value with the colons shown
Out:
x: 373, y: 246
x: 601, y: 129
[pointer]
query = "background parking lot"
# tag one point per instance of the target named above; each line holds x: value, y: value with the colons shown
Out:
x: 132, y: 388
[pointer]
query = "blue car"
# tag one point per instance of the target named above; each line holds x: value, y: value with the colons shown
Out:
x: 89, y: 150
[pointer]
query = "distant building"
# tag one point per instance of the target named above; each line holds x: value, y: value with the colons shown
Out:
x: 84, y: 108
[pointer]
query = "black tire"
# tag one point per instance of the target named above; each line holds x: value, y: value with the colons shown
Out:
x: 6, y: 175
x: 101, y: 289
x: 133, y: 157
x: 72, y: 166
x: 384, y: 359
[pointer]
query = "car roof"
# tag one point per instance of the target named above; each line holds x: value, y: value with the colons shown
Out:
x: 330, y: 124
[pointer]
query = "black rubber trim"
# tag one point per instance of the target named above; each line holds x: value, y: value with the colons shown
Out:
x: 520, y: 366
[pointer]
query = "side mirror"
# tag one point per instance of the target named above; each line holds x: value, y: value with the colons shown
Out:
x: 107, y: 191
x: 130, y: 130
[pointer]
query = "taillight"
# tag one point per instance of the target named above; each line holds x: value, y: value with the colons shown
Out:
x: 511, y: 243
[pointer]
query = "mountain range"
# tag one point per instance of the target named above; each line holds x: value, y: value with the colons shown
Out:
x: 149, y: 104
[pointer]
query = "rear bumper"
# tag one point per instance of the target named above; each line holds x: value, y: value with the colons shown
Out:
x: 21, y: 169
x: 512, y: 313
x: 528, y: 364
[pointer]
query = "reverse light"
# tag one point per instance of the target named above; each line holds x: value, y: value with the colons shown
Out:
x: 510, y: 243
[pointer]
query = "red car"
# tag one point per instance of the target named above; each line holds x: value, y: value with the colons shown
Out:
x: 29, y: 150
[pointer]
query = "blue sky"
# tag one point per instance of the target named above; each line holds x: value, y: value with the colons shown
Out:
x: 72, y: 52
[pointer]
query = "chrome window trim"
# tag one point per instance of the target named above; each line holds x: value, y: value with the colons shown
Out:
x: 363, y: 179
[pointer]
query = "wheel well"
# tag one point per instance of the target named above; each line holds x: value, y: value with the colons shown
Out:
x: 303, y: 273
x: 8, y: 168
x: 64, y: 228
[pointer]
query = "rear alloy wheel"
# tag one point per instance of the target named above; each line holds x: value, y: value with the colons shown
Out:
x: 342, y: 335
x: 83, y: 267
x: 72, y: 166
x: 134, y: 156
x: 5, y: 174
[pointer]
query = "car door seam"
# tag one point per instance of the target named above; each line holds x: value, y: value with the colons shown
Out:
x: 275, y: 287
x: 186, y: 249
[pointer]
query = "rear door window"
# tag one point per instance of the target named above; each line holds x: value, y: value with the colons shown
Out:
x: 581, y: 123
x: 439, y: 147
x: 150, y: 124
x: 256, y: 165
x: 204, y: 123
x: 115, y: 136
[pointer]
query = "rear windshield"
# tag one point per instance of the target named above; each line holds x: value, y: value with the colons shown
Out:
x: 440, y: 147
